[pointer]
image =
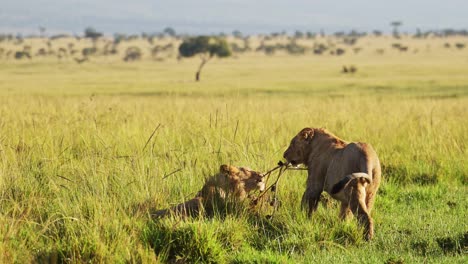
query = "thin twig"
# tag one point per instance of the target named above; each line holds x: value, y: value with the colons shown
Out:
x: 167, y: 175
x: 65, y: 178
x: 123, y: 157
x: 235, y: 131
x: 295, y: 168
x: 282, y: 168
x: 151, y: 136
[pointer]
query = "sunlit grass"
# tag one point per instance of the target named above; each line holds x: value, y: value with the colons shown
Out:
x: 74, y: 164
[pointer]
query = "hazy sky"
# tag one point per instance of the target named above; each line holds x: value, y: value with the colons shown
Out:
x: 214, y: 16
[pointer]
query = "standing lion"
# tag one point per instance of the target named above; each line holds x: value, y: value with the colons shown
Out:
x: 349, y: 172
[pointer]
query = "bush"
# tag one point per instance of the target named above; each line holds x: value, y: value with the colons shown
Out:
x: 88, y: 51
x: 132, y: 54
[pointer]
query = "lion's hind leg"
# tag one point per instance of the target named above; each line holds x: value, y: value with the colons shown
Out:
x: 372, y: 190
x: 359, y: 208
x: 345, y: 211
x: 370, y: 198
x: 192, y: 208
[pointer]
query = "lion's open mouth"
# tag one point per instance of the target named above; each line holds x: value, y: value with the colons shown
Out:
x: 294, y: 163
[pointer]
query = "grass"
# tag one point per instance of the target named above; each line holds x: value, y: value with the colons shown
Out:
x: 74, y: 167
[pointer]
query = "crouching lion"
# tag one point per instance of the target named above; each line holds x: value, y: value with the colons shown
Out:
x: 349, y: 172
x: 231, y: 185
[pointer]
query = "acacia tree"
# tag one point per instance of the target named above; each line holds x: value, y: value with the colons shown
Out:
x: 205, y: 46
x: 395, y: 25
x: 42, y: 31
x: 92, y: 33
x: 170, y: 32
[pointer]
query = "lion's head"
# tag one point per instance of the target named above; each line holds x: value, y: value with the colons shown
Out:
x: 299, y: 148
x: 230, y: 185
x: 240, y: 180
x: 234, y: 182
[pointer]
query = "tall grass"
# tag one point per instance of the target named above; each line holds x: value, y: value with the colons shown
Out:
x: 74, y: 166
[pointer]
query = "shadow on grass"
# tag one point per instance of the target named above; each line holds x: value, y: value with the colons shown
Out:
x: 185, y: 242
x: 71, y: 256
x: 448, y: 245
x: 402, y: 176
x: 457, y: 244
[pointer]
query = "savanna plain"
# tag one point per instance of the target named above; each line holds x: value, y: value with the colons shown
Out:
x: 82, y: 145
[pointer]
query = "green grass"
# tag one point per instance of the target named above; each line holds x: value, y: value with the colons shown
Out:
x: 73, y: 166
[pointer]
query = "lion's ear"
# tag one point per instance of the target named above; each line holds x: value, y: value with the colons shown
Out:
x: 228, y: 169
x: 224, y: 168
x: 307, y: 133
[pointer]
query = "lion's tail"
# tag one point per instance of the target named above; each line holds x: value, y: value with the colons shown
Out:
x: 348, y: 178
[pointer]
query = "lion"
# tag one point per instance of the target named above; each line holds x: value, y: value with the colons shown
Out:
x: 231, y: 184
x: 349, y: 172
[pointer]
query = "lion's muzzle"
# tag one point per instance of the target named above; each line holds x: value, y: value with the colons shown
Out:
x: 261, y: 186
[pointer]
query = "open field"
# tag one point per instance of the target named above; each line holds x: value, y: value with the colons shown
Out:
x: 73, y: 162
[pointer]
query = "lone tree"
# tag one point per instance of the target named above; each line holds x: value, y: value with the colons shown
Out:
x: 92, y: 33
x: 205, y: 46
x: 42, y: 31
x: 395, y: 25
x: 170, y: 32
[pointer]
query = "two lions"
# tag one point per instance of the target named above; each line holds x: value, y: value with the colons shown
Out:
x: 349, y: 172
x: 230, y: 185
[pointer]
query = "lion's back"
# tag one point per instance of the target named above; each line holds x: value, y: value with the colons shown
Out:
x: 354, y: 157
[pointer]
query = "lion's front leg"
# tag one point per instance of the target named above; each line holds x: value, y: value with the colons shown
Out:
x: 310, y: 199
x: 314, y: 189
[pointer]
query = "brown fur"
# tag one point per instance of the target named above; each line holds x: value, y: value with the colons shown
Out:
x: 349, y: 172
x: 231, y: 184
